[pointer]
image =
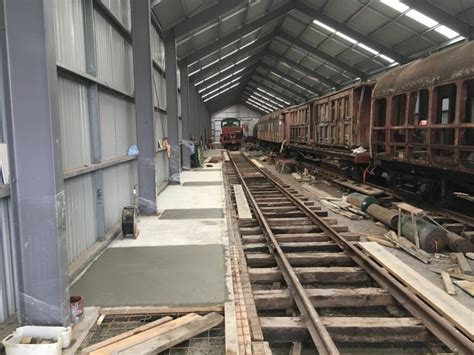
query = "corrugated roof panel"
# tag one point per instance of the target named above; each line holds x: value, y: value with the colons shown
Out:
x: 341, y: 10
x: 313, y: 37
x: 392, y: 34
x: 292, y: 26
x: 362, y: 25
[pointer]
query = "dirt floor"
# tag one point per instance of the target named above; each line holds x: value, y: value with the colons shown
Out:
x: 369, y: 226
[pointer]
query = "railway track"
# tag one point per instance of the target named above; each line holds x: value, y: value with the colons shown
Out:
x: 311, y: 284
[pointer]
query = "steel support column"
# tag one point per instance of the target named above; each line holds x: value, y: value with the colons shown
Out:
x: 93, y: 106
x: 185, y: 102
x: 143, y: 74
x: 37, y: 186
x: 172, y: 107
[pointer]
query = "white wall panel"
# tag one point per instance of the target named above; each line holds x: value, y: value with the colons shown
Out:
x: 80, y: 215
x: 7, y: 289
x: 69, y: 33
x: 74, y: 123
x: 121, y: 10
x: 157, y: 48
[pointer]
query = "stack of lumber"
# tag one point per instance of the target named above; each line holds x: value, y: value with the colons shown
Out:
x: 156, y: 336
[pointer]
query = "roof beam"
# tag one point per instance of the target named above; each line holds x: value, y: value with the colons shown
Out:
x: 271, y: 91
x: 442, y: 17
x: 234, y: 36
x: 253, y: 108
x: 209, y: 15
x: 269, y: 107
x: 308, y: 10
x: 320, y: 54
x: 230, y: 59
x: 311, y: 73
x: 263, y: 96
x: 281, y: 86
x: 266, y: 101
x: 291, y: 79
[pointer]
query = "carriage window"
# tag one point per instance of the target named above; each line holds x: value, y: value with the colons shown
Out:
x: 469, y: 115
x: 446, y: 104
x: 418, y: 112
x: 399, y: 105
x: 380, y: 112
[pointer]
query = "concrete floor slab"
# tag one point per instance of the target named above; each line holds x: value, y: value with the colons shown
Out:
x: 202, y: 175
x: 161, y: 232
x: 202, y: 183
x: 155, y: 276
x: 192, y: 213
x: 176, y: 196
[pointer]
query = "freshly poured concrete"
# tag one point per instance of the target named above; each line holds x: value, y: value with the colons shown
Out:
x: 161, y: 276
x: 176, y: 260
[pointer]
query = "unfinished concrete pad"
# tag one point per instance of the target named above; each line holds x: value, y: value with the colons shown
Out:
x: 192, y: 213
x: 177, y: 196
x: 161, y: 232
x: 155, y: 276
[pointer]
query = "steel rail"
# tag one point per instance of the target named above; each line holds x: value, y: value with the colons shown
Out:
x: 321, y: 338
x: 441, y: 327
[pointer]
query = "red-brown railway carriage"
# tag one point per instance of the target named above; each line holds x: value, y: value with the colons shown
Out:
x: 423, y: 122
x: 416, y: 123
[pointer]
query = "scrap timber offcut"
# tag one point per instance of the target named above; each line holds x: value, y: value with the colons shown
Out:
x: 237, y: 177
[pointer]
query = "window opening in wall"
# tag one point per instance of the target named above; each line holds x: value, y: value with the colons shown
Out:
x: 469, y: 114
x: 380, y: 112
x: 446, y: 104
x: 399, y: 105
x: 418, y: 114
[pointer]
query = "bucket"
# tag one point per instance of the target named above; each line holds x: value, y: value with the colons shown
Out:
x: 77, y: 309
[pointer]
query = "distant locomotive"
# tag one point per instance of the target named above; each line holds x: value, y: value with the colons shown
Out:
x: 232, y: 134
x: 412, y: 129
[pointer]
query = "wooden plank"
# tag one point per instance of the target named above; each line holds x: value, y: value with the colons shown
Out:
x: 325, y: 297
x: 467, y: 286
x: 450, y: 308
x: 91, y: 349
x: 301, y: 259
x: 256, y: 163
x: 141, y: 337
x: 243, y: 207
x: 464, y: 264
x: 175, y: 336
x: 226, y: 157
x: 296, y: 348
x: 448, y: 283
x: 348, y: 329
x: 409, y: 208
x: 365, y: 189
x: 81, y: 329
x: 131, y: 311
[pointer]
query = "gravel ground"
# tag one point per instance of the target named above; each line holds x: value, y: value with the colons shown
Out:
x: 368, y: 226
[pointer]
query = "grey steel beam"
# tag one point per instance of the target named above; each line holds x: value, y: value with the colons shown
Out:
x: 311, y: 73
x: 184, y: 102
x: 205, y: 17
x: 192, y: 110
x: 248, y: 62
x: 291, y: 79
x: 282, y: 86
x: 144, y: 110
x: 94, y: 117
x: 172, y: 107
x: 230, y: 59
x: 320, y: 54
x: 236, y: 35
x: 441, y: 16
x: 317, y: 15
x: 37, y: 186
x: 272, y: 91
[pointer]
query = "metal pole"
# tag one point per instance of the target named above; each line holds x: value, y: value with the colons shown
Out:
x: 37, y: 185
x: 143, y: 74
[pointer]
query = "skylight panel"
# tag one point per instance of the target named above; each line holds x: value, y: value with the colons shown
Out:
x: 263, y: 102
x: 421, y: 18
x: 221, y: 92
x: 447, y: 32
x: 276, y: 97
x: 257, y: 103
x: 211, y: 63
x: 367, y: 48
x: 242, y: 60
x: 396, y: 5
x: 323, y: 25
x: 387, y: 59
x: 258, y: 107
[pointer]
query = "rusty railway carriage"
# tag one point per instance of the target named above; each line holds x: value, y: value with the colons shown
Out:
x: 416, y: 124
x: 423, y: 122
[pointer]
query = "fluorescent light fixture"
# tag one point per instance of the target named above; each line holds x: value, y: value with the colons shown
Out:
x: 229, y: 54
x: 276, y: 97
x: 259, y: 104
x: 211, y: 63
x: 447, y: 32
x: 257, y: 107
x: 421, y: 18
x: 387, y: 59
x: 194, y: 72
x: 242, y: 60
x: 396, y: 5
x: 323, y: 25
x: 347, y: 38
x: 266, y: 98
x: 367, y: 48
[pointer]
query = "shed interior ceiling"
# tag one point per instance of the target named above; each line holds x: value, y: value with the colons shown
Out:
x: 259, y: 52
